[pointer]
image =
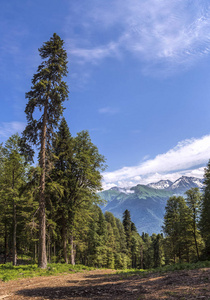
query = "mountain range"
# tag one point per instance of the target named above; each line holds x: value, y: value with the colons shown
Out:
x: 146, y: 203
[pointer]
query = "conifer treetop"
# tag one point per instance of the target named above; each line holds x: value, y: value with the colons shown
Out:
x: 47, y: 94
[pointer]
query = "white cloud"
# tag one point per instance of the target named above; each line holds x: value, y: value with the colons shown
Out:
x: 158, y: 31
x: 9, y: 128
x: 94, y: 55
x: 171, y: 32
x: 188, y: 158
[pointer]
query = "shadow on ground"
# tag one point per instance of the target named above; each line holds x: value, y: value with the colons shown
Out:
x: 105, y: 291
x: 175, y: 285
x: 92, y: 287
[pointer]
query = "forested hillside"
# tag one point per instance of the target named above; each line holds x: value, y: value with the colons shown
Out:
x: 146, y: 203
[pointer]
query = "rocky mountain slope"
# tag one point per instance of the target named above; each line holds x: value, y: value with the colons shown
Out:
x: 146, y: 203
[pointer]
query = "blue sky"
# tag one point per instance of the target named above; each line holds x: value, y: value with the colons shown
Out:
x: 139, y: 79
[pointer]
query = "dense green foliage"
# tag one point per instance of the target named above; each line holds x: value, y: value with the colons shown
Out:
x: 73, y: 214
x: 183, y: 241
x: 75, y: 181
x: 12, y: 177
x: 205, y: 212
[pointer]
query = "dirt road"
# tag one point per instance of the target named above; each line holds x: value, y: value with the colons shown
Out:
x: 104, y: 284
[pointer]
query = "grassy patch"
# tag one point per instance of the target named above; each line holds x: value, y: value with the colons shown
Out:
x: 10, y: 272
x: 164, y: 269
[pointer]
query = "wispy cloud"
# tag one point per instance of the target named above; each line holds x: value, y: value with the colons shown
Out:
x: 9, y: 128
x: 188, y: 158
x: 155, y: 31
x: 95, y: 55
x: 108, y: 110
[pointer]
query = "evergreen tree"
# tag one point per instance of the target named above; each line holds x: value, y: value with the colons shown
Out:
x: 193, y: 202
x: 123, y: 244
x: 109, y: 217
x: 13, y: 177
x: 148, y: 251
x: 28, y: 224
x: 177, y: 228
x: 63, y: 153
x: 47, y: 95
x: 127, y: 227
x: 133, y: 227
x: 97, y: 239
x: 122, y: 261
x: 136, y: 244
x: 85, y: 178
x: 205, y: 211
x: 158, y: 251
x: 76, y: 180
x: 93, y: 242
x: 111, y: 246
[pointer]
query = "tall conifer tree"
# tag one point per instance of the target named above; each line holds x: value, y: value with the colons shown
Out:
x: 127, y: 227
x: 77, y: 177
x: 47, y: 94
x: 63, y: 154
x: 177, y: 228
x: 193, y: 202
x: 205, y: 211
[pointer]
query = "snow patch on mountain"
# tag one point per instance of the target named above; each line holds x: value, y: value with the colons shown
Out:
x: 186, y: 182
x: 199, y: 182
x: 180, y: 185
x: 160, y: 185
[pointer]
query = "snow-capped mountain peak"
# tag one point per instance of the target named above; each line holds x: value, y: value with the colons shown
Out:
x: 185, y: 182
x: 162, y: 184
x: 182, y: 184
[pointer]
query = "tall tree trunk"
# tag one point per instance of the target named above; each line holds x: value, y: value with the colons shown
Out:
x: 49, y: 248
x: 142, y: 257
x: 64, y: 238
x: 72, y: 250
x: 14, y: 252
x: 5, y: 242
x: 54, y: 249
x: 194, y: 233
x: 35, y: 251
x: 42, y: 261
x: 196, y: 244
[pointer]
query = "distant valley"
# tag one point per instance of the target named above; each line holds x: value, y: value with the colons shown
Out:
x: 146, y: 203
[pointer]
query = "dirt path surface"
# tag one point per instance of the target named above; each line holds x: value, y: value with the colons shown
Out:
x: 104, y: 284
